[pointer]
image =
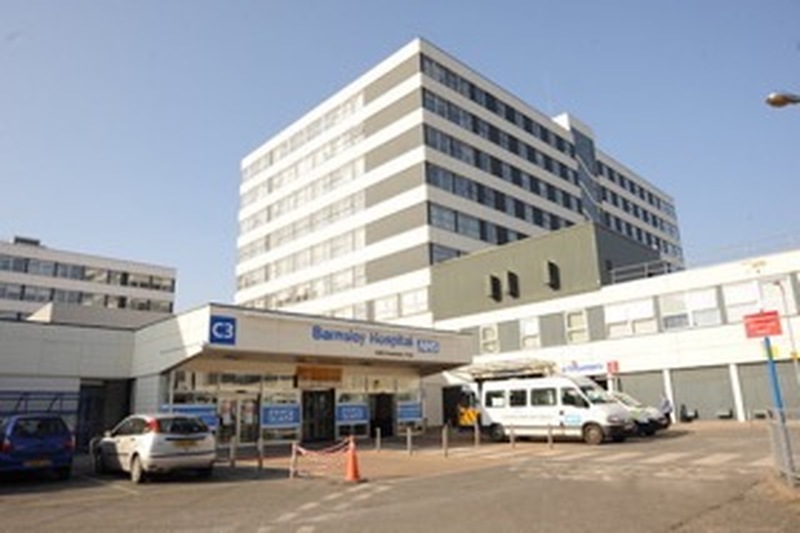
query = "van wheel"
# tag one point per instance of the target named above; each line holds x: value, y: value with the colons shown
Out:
x: 137, y: 472
x: 497, y: 433
x: 593, y: 434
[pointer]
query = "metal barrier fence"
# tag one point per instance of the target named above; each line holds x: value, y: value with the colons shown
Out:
x: 784, y: 432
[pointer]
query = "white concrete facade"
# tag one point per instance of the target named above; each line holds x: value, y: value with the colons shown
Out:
x: 681, y: 333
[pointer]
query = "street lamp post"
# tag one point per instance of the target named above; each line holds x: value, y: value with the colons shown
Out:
x: 790, y: 330
x: 781, y: 99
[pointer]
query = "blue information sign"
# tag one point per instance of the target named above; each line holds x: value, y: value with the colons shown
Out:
x: 351, y: 413
x: 409, y: 411
x: 280, y: 415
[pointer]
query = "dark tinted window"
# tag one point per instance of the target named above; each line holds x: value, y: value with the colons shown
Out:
x: 39, y: 427
x: 182, y: 425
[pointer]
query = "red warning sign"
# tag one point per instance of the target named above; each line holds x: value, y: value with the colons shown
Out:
x: 764, y: 324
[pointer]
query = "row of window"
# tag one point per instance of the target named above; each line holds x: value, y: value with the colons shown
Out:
x: 40, y: 267
x: 499, y: 201
x: 343, y: 280
x: 696, y: 308
x: 300, y: 170
x: 321, y: 218
x: 308, y: 193
x: 469, y: 90
x: 493, y: 134
x: 535, y: 397
x: 31, y: 293
x: 330, y: 249
x: 624, y: 227
x: 313, y: 130
x: 472, y: 156
x: 614, y: 176
x: 639, y: 212
x: 475, y: 228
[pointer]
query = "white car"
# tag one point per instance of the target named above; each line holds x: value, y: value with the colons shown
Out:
x: 648, y: 419
x: 147, y: 443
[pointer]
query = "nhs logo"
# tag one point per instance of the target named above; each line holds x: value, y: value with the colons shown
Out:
x: 428, y: 346
x: 222, y: 330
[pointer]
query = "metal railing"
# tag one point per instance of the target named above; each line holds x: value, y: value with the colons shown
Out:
x: 784, y: 433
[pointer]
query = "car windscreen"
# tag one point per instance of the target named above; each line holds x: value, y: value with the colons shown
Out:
x: 596, y: 394
x: 39, y: 427
x: 182, y: 425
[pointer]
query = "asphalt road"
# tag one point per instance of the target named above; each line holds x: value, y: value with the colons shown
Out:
x: 689, y: 479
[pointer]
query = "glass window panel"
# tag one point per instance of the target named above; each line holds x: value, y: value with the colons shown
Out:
x: 619, y: 329
x: 543, y: 397
x: 702, y: 299
x: 495, y: 399
x: 414, y: 302
x: 645, y: 326
x: 518, y: 398
x: 676, y: 321
x: 672, y: 304
x: 740, y: 293
x: 386, y: 308
x: 707, y: 317
x: 576, y: 319
x: 736, y: 313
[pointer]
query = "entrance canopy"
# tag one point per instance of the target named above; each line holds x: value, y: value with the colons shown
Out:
x: 222, y: 338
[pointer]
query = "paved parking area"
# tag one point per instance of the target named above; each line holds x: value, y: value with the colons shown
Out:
x: 264, y: 499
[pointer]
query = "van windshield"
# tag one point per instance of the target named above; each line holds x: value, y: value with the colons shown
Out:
x: 596, y: 394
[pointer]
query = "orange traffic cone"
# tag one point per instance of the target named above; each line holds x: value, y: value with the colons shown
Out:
x: 352, y: 463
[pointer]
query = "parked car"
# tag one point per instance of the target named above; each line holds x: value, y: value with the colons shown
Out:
x: 648, y: 419
x: 143, y: 444
x: 36, y: 442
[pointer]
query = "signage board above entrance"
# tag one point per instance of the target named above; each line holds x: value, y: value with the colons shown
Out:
x: 385, y: 343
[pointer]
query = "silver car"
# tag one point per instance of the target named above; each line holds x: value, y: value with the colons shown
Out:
x: 148, y: 443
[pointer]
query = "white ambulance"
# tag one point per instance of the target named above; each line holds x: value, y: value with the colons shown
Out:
x: 558, y: 405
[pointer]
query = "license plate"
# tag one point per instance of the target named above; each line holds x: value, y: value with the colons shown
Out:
x: 185, y: 443
x: 37, y: 463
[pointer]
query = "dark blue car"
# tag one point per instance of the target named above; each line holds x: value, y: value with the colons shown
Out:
x: 36, y: 442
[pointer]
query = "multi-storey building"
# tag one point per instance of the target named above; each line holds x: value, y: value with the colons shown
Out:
x: 32, y: 276
x: 421, y: 160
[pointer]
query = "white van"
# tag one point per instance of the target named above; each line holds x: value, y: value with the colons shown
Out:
x: 563, y: 406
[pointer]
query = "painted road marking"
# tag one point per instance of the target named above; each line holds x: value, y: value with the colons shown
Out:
x: 623, y: 456
x: 669, y: 457
x: 715, y: 459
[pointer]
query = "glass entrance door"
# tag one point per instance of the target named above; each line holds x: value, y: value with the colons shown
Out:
x: 318, y: 415
x: 238, y: 420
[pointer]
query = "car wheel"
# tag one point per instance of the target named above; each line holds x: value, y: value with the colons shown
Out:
x: 64, y: 473
x: 99, y: 463
x: 137, y: 472
x: 593, y: 434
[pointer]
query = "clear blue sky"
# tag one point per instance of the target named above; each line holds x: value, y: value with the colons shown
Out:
x: 122, y: 124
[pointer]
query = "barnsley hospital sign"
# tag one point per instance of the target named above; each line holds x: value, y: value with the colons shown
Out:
x: 390, y: 344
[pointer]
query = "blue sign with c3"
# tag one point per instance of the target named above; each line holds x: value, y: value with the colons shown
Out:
x: 222, y: 330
